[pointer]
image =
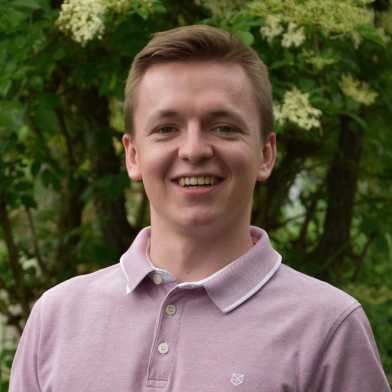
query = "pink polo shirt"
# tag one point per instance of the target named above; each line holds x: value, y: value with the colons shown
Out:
x: 256, y: 325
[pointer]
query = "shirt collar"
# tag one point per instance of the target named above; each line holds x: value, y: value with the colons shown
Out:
x: 227, y: 288
x: 134, y: 263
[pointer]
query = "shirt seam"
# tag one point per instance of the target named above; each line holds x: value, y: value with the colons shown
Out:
x: 40, y: 316
x: 342, y: 317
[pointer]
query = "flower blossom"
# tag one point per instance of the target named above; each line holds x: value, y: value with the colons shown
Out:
x: 330, y: 16
x: 297, y: 109
x: 84, y: 20
x: 273, y: 27
x: 294, y: 36
x: 317, y: 61
x: 357, y: 90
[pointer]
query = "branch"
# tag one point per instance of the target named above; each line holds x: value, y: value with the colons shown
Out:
x: 367, y: 200
x: 67, y: 137
x: 359, y: 259
x: 311, y: 210
x: 41, y: 263
x: 294, y: 218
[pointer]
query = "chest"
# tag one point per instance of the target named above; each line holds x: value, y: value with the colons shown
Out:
x: 183, y: 344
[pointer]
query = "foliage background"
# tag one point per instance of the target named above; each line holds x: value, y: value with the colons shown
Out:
x: 66, y: 205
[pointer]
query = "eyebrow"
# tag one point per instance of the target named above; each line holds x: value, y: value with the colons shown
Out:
x: 162, y: 115
x: 210, y: 115
x: 225, y: 113
x: 231, y: 115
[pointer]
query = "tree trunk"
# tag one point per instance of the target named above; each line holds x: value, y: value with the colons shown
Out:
x: 342, y: 179
x: 109, y: 201
x: 68, y: 225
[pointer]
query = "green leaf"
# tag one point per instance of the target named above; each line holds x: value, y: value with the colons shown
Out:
x: 388, y: 238
x: 245, y: 36
x: 281, y: 63
x: 30, y: 4
x: 308, y: 85
x: 49, y: 178
x: 5, y: 86
x: 22, y: 186
x: 46, y: 118
x: 35, y: 167
x: 371, y: 34
x: 361, y: 122
x: 11, y: 19
x: 28, y: 201
x: 11, y: 115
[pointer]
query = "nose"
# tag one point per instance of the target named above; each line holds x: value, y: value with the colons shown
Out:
x: 195, y: 146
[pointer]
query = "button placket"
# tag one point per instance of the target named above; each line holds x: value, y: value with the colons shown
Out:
x: 163, y: 354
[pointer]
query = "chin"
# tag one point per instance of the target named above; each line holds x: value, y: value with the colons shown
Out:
x: 197, y: 223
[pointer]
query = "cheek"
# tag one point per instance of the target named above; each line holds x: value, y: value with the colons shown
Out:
x: 244, y: 161
x: 154, y: 165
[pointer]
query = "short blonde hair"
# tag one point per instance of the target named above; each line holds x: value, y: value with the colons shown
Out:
x: 200, y: 43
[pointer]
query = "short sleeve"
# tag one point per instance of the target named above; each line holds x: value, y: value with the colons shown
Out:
x: 24, y: 371
x: 350, y: 361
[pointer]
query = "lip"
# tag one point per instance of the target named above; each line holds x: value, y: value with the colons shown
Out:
x: 176, y: 178
x: 197, y: 190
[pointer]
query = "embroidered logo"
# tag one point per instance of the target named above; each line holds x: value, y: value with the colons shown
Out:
x: 237, y: 378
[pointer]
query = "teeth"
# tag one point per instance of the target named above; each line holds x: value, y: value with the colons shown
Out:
x: 192, y: 181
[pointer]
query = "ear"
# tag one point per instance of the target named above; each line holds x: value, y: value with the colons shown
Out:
x: 131, y: 158
x: 268, y: 157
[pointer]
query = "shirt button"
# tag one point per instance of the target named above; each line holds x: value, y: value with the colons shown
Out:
x: 157, y: 279
x: 163, y: 348
x: 171, y: 310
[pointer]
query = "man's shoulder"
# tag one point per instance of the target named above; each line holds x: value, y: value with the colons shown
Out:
x: 311, y: 295
x: 78, y: 306
x: 103, y: 282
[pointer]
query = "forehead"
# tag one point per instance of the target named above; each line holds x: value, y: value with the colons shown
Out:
x: 194, y: 87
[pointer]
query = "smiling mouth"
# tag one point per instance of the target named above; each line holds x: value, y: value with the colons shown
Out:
x: 204, y: 181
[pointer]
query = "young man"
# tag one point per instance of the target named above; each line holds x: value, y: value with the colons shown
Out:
x: 200, y: 301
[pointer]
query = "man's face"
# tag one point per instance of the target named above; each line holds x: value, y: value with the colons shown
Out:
x: 197, y: 145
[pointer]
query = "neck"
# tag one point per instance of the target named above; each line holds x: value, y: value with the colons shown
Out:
x: 190, y: 257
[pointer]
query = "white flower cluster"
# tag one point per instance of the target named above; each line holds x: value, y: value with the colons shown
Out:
x: 297, y: 109
x: 294, y: 35
x: 316, y: 60
x: 357, y: 90
x: 273, y: 27
x: 84, y: 20
x: 330, y: 16
x: 118, y: 5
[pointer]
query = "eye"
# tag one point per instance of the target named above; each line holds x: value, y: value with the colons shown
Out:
x: 166, y: 129
x: 225, y: 130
